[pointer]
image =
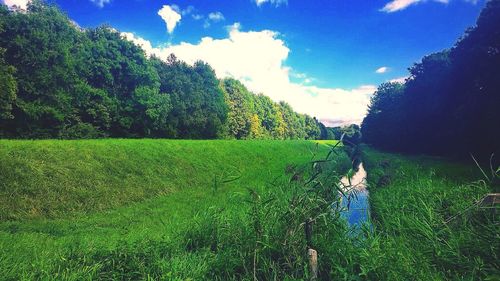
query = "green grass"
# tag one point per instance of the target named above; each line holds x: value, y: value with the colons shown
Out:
x: 234, y: 210
x: 50, y: 179
x: 412, y: 198
x: 129, y: 209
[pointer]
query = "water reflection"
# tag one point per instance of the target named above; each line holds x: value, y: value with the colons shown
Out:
x: 354, y: 203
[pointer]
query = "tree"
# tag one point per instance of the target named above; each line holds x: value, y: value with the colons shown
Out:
x: 61, y: 81
x: 256, y: 130
x: 239, y: 103
x: 198, y: 107
x: 449, y: 104
x: 8, y: 88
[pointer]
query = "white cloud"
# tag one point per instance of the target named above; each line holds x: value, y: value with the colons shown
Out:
x: 257, y: 58
x: 100, y: 3
x: 399, y: 79
x: 23, y: 4
x: 144, y: 44
x: 303, y: 77
x: 399, y: 5
x: 197, y: 16
x: 188, y: 10
x: 175, y: 8
x: 216, y: 16
x: 170, y: 16
x: 298, y: 75
x: 213, y: 17
x: 272, y: 2
x: 382, y: 69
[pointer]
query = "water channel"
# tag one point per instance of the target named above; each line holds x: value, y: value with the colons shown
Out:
x: 355, y: 201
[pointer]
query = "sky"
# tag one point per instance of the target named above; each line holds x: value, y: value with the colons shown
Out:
x: 324, y: 57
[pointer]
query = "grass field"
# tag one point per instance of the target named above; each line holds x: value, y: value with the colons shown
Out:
x: 51, y: 179
x: 424, y: 227
x: 234, y: 210
x: 130, y: 208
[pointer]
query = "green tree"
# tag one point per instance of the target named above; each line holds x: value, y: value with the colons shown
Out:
x: 198, y: 107
x: 8, y: 88
x: 449, y: 104
x: 239, y: 103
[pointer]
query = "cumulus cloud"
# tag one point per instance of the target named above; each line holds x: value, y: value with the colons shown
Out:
x: 272, y: 2
x: 144, y: 44
x: 22, y: 4
x: 382, y: 69
x: 257, y: 58
x: 100, y: 3
x: 170, y: 16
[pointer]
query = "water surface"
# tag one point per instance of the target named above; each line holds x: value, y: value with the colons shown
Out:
x: 355, y: 204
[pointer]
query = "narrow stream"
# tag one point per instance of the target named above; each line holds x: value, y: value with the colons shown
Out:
x: 355, y: 204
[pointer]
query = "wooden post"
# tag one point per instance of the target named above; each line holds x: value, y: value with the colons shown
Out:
x: 312, y: 255
x: 308, y: 231
x: 313, y: 263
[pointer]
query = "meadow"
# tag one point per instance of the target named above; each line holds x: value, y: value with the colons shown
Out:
x: 120, y: 209
x: 427, y: 226
x: 136, y: 208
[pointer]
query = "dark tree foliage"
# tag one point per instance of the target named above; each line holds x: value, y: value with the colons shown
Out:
x: 198, y: 108
x: 450, y: 104
x: 8, y: 89
x: 383, y: 115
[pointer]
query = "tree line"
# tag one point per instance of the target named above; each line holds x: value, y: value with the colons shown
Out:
x: 450, y: 104
x: 61, y: 81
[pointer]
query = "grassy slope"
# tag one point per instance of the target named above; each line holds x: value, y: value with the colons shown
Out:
x: 412, y: 242
x: 60, y: 197
x: 49, y: 179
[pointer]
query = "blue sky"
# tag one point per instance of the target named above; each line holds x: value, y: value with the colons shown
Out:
x: 321, y: 56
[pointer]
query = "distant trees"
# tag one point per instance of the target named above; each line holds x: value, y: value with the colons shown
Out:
x: 450, y: 104
x: 351, y: 134
x: 60, y: 81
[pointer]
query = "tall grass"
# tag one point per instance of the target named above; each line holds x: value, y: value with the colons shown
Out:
x: 413, y: 199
